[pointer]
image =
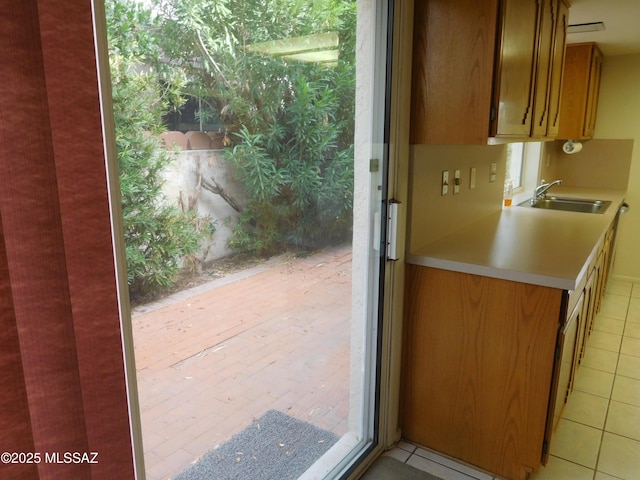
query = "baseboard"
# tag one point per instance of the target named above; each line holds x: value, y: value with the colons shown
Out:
x: 625, y: 278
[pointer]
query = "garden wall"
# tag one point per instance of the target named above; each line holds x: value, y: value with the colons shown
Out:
x: 198, y: 168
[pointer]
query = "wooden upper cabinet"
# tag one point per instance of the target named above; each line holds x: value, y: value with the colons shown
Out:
x: 557, y: 69
x: 544, y: 66
x: 551, y: 49
x: 516, y: 69
x: 593, y: 92
x: 453, y: 65
x: 480, y: 66
x: 581, y: 85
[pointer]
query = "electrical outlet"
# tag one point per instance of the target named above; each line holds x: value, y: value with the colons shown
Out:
x: 472, y: 178
x: 456, y: 182
x: 445, y: 182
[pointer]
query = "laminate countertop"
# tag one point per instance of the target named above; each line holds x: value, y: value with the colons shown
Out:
x: 529, y: 245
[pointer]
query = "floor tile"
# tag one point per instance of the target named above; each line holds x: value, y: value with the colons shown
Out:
x: 626, y: 390
x: 605, y: 341
x: 619, y: 287
x: 600, y: 359
x: 630, y: 346
x: 609, y: 325
x: 587, y: 409
x: 447, y: 462
x: 634, y: 310
x: 398, y: 453
x: 605, y: 476
x: 615, y: 306
x: 632, y: 330
x: 624, y: 420
x: 628, y: 366
x: 576, y: 443
x: 593, y: 381
x: 406, y: 446
x: 619, y: 456
x: 434, y: 468
x: 560, y: 469
x: 635, y: 291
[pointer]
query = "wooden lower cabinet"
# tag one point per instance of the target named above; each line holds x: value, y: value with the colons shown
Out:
x: 589, y: 312
x: 478, y: 368
x: 568, y: 356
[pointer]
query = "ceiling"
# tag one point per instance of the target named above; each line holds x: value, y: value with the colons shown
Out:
x: 621, y: 20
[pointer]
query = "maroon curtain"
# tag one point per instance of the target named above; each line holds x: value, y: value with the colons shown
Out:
x: 62, y: 381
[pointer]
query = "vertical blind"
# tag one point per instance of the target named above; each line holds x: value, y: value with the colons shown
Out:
x: 62, y: 379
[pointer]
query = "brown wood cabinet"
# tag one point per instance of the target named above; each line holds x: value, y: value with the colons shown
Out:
x: 544, y: 64
x: 589, y: 306
x: 478, y: 365
x: 480, y: 68
x: 514, y: 84
x: 489, y: 364
x: 580, y: 89
x: 567, y: 359
x: 579, y: 325
x: 547, y: 113
x: 453, y: 67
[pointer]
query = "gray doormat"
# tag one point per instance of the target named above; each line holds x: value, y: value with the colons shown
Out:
x: 276, y: 446
x: 388, y: 468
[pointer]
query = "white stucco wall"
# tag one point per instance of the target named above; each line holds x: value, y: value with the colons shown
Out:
x: 181, y: 187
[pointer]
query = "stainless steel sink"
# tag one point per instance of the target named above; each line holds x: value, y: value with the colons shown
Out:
x: 569, y: 204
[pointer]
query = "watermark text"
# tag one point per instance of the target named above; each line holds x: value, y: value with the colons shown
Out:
x: 49, y: 457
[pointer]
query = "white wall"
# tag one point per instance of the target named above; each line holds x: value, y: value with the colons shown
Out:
x: 182, y: 187
x: 433, y: 215
x: 619, y: 117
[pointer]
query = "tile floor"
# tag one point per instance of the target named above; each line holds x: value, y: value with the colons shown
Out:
x: 598, y: 437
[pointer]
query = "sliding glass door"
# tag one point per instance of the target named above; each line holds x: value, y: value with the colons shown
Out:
x: 258, y: 355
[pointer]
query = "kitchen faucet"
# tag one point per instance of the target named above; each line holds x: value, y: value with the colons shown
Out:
x: 541, y: 190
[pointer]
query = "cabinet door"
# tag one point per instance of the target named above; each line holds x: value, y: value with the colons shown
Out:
x: 602, y: 266
x: 513, y: 94
x: 567, y: 343
x: 593, y: 91
x: 453, y: 67
x: 544, y: 68
x: 580, y: 87
x: 478, y: 359
x: 588, y: 313
x: 557, y: 69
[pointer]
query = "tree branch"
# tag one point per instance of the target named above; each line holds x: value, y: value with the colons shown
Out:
x: 218, y: 190
x: 206, y: 53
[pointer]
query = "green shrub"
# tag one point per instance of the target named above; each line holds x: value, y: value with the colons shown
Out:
x: 291, y: 123
x: 157, y: 235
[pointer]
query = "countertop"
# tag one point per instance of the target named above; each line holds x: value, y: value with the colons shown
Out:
x: 542, y: 247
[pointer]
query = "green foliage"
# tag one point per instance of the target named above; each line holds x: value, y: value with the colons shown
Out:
x: 291, y: 122
x: 157, y: 235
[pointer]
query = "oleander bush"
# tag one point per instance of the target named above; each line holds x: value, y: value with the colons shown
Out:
x: 157, y: 234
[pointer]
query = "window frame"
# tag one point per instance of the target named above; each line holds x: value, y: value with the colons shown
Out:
x: 531, y: 162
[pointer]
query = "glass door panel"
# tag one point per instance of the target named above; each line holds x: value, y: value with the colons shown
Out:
x: 258, y: 357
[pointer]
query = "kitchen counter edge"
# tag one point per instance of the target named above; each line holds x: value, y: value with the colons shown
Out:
x: 522, y: 244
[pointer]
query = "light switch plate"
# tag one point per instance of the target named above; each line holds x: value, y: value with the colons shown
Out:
x: 456, y: 182
x: 472, y: 178
x: 493, y: 168
x: 445, y: 182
